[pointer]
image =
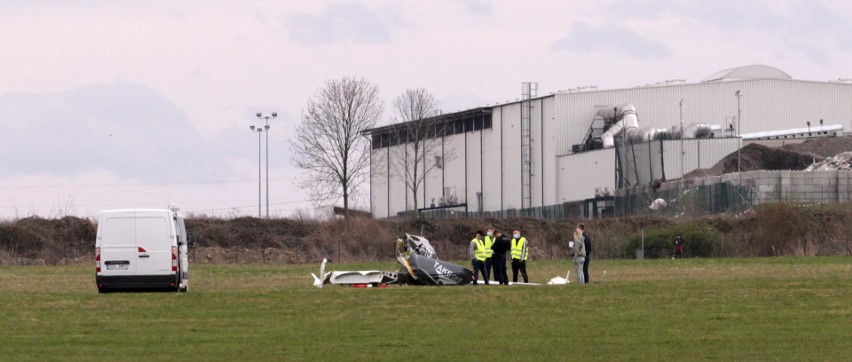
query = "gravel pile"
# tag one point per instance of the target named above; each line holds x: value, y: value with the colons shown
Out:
x: 842, y: 161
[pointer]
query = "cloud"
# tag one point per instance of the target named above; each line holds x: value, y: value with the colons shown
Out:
x: 479, y: 7
x: 584, y: 38
x: 344, y: 23
x: 129, y: 129
x: 810, y: 29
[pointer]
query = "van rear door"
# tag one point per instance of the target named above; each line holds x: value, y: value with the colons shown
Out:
x: 154, y: 237
x: 118, y: 245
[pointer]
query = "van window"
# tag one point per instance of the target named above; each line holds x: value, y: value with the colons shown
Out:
x: 181, y: 227
x: 153, y: 233
x: 119, y: 231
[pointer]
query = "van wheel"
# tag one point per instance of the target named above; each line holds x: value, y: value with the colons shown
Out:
x: 183, y: 289
x: 101, y: 290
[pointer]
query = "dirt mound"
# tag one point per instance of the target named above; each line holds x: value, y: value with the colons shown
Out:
x: 758, y: 157
x: 822, y: 147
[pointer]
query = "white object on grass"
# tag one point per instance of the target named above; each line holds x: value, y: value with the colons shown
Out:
x: 560, y: 280
x: 318, y: 282
x: 658, y: 204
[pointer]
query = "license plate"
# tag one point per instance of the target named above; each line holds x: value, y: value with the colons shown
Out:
x: 118, y: 266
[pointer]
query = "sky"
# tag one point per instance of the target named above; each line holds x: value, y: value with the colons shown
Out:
x: 139, y: 104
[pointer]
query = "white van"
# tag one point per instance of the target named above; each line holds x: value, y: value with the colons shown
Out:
x: 142, y: 249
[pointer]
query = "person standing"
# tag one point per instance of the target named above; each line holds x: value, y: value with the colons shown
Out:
x: 519, y: 256
x: 477, y: 257
x: 578, y: 253
x: 489, y: 254
x: 587, y: 242
x: 678, y: 244
x: 500, y: 247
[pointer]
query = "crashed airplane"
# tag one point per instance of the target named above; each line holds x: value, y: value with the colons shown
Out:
x: 419, y: 265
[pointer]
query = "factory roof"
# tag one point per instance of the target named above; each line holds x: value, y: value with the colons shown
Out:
x: 445, y: 117
x: 748, y: 72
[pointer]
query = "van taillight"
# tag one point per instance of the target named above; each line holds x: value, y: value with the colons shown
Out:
x: 174, y: 258
x: 98, y: 259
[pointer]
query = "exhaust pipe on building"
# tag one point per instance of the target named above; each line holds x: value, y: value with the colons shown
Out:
x: 629, y: 122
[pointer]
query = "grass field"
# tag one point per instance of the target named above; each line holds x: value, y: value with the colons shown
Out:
x: 716, y: 309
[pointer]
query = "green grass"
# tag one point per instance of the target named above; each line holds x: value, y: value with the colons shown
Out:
x: 698, y: 309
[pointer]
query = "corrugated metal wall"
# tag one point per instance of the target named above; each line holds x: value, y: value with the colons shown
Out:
x: 378, y: 183
x: 703, y: 153
x: 474, y: 168
x: 433, y: 183
x: 399, y: 196
x: 765, y: 105
x: 511, y: 136
x: 548, y: 144
x: 454, y: 166
x: 579, y: 174
x: 643, y: 162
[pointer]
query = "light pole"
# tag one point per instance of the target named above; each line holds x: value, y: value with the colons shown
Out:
x: 266, y: 128
x: 259, y: 131
x: 738, y: 94
x: 682, y: 152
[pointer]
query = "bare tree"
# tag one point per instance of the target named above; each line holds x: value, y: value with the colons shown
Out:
x: 328, y: 143
x: 419, y: 137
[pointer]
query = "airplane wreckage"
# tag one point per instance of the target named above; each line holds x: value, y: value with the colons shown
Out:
x: 419, y: 265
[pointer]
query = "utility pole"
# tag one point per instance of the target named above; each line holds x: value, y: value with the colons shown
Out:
x: 259, y: 131
x: 266, y: 128
x: 739, y: 134
x: 682, y: 152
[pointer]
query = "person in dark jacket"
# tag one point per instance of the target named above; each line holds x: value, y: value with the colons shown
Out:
x: 678, y: 243
x: 500, y: 247
x: 587, y: 242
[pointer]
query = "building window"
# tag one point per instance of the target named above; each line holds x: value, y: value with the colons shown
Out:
x: 467, y: 123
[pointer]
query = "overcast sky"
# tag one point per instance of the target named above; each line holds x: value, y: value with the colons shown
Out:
x: 108, y: 104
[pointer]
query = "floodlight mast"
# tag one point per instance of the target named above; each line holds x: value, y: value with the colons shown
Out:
x: 266, y: 129
x: 682, y: 152
x: 738, y: 94
x: 259, y: 130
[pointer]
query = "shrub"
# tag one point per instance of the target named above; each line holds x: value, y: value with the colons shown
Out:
x: 699, y: 241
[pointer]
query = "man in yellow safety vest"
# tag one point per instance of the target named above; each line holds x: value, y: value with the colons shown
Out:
x: 519, y: 256
x: 478, y: 255
x: 489, y: 253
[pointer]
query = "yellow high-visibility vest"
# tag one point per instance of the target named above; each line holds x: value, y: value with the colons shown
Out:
x: 489, y: 242
x: 479, y: 250
x: 519, y: 248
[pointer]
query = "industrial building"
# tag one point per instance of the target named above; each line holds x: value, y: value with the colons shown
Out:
x: 558, y: 148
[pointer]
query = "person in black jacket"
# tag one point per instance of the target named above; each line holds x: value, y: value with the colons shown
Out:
x: 587, y: 242
x: 678, y: 243
x: 500, y: 247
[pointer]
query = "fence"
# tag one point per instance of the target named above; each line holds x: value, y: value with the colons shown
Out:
x: 691, y: 197
x: 553, y: 212
x: 736, y: 192
x: 691, y: 201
